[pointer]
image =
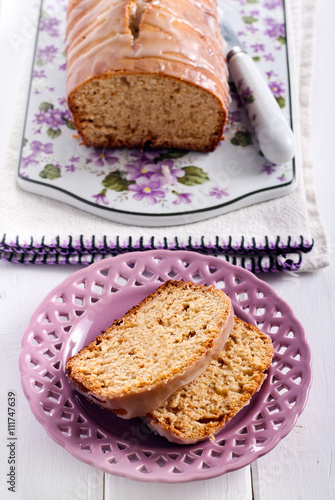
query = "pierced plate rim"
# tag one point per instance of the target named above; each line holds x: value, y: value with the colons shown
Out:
x: 171, y: 259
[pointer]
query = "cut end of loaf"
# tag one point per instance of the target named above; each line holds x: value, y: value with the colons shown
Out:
x: 146, y: 111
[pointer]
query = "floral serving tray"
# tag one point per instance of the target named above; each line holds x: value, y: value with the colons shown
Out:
x: 154, y: 187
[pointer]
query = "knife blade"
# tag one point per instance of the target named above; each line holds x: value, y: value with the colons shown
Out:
x: 272, y: 131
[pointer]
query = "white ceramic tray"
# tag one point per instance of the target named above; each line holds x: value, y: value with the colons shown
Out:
x: 154, y: 188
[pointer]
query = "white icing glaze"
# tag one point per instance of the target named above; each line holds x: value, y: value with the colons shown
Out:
x: 180, y: 38
x: 141, y: 403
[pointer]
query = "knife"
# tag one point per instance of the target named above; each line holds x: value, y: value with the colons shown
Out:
x: 272, y: 131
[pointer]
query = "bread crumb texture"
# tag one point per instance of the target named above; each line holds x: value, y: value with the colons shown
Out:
x: 146, y: 111
x: 201, y: 408
x: 155, y: 341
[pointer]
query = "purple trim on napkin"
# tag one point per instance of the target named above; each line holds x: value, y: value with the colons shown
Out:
x: 272, y: 256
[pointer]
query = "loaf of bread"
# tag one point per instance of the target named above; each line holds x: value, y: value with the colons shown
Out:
x: 200, y: 409
x: 161, y: 344
x: 146, y: 73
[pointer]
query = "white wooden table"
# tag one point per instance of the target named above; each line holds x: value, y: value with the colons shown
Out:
x: 302, y: 465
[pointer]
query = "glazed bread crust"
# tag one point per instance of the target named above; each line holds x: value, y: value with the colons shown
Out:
x: 200, y: 409
x: 147, y: 73
x: 160, y: 345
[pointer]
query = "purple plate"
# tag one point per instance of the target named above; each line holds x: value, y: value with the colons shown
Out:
x: 89, y: 300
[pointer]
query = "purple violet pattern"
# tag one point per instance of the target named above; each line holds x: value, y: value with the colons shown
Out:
x: 268, y: 168
x: 182, y: 198
x: 100, y: 157
x: 167, y: 173
x: 50, y: 25
x: 28, y: 160
x: 277, y: 89
x: 235, y: 116
x: 101, y: 198
x: 274, y: 29
x: 218, y: 193
x: 46, y: 55
x: 150, y: 190
x: 273, y: 4
x: 39, y: 73
x: 38, y: 147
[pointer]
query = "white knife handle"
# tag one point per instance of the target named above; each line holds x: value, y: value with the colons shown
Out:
x: 272, y: 131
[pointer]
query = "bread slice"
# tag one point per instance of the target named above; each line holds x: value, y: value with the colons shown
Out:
x: 160, y: 345
x: 200, y: 409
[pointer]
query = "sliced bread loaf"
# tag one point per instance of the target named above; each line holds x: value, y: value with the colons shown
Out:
x: 160, y: 345
x: 200, y: 409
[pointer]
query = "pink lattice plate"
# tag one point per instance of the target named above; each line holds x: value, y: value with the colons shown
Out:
x: 156, y: 188
x: 89, y: 300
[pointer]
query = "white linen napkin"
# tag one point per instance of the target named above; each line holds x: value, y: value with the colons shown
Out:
x: 282, y: 234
